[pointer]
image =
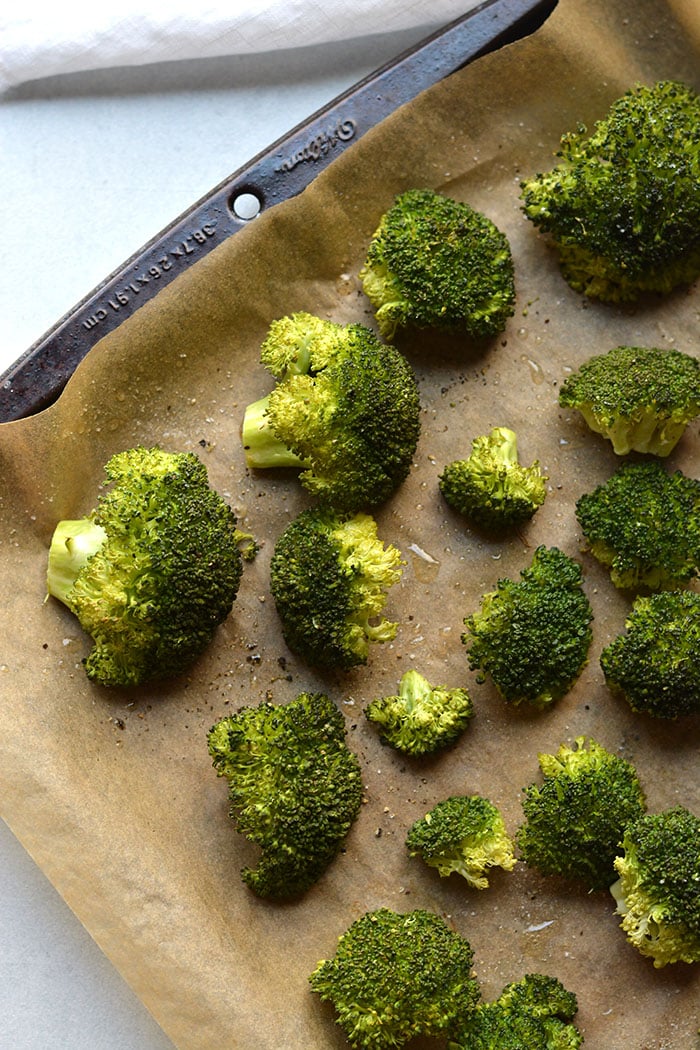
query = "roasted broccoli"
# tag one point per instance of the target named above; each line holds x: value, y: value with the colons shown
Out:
x: 464, y: 835
x: 295, y: 788
x: 396, y: 976
x: 153, y: 571
x: 622, y: 205
x: 658, y: 890
x: 434, y: 262
x: 345, y: 411
x: 534, y: 1013
x: 532, y: 635
x: 491, y: 487
x: 643, y: 524
x: 574, y: 819
x: 640, y: 398
x: 421, y: 718
x: 329, y: 577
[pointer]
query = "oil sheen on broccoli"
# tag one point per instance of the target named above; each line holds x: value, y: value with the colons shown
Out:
x: 395, y: 976
x: 345, y: 411
x: 330, y: 574
x: 575, y: 818
x: 434, y: 262
x: 153, y: 571
x: 622, y: 205
x: 421, y: 718
x: 532, y: 635
x: 295, y: 788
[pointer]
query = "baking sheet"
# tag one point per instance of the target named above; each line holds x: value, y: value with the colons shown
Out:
x: 113, y: 793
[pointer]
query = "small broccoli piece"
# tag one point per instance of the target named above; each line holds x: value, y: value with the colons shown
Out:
x: 396, y: 976
x: 532, y: 635
x: 658, y: 890
x: 622, y: 205
x: 463, y: 834
x: 421, y: 718
x: 640, y: 398
x: 574, y: 819
x: 329, y: 577
x: 491, y: 487
x: 295, y: 788
x: 643, y: 524
x: 153, y: 571
x: 345, y: 411
x: 534, y: 1013
x: 434, y: 262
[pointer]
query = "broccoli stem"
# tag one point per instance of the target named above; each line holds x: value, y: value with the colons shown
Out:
x: 263, y: 449
x: 72, y: 545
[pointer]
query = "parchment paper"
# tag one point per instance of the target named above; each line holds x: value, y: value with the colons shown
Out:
x: 113, y: 792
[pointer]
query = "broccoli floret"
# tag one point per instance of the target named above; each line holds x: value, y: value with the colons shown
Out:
x: 463, y: 834
x: 345, y: 411
x: 622, y: 205
x: 534, y: 1013
x: 329, y: 577
x: 396, y: 976
x: 574, y: 819
x: 421, y: 718
x: 658, y: 890
x: 153, y: 571
x: 532, y: 635
x: 434, y: 262
x: 640, y: 398
x: 655, y: 664
x: 295, y: 788
x: 491, y: 487
x: 643, y: 524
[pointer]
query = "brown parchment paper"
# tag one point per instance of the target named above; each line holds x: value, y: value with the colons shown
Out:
x: 113, y: 792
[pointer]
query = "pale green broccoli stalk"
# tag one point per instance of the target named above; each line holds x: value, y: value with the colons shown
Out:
x: 575, y: 819
x: 640, y: 398
x: 658, y: 890
x: 397, y: 976
x: 622, y: 205
x: 532, y: 635
x: 491, y: 487
x: 421, y: 718
x: 295, y: 788
x: 643, y: 524
x: 153, y: 571
x: 434, y: 262
x: 463, y: 835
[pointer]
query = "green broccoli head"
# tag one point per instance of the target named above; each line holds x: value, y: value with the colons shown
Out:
x: 658, y: 890
x: 640, y: 398
x: 643, y: 524
x: 434, y: 262
x: 295, y: 788
x: 532, y: 635
x: 345, y: 411
x: 154, y: 570
x: 622, y: 205
x: 329, y: 577
x: 575, y: 819
x: 396, y: 976
x: 463, y: 835
x: 421, y: 718
x: 491, y: 487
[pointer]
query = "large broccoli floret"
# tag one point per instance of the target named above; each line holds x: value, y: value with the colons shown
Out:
x: 491, y: 487
x: 643, y: 524
x: 153, y: 571
x: 658, y: 890
x: 345, y: 411
x: 532, y: 635
x: 434, y: 262
x: 396, y: 976
x: 329, y: 577
x: 421, y: 718
x: 575, y: 819
x: 463, y: 835
x: 622, y: 205
x: 295, y: 788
